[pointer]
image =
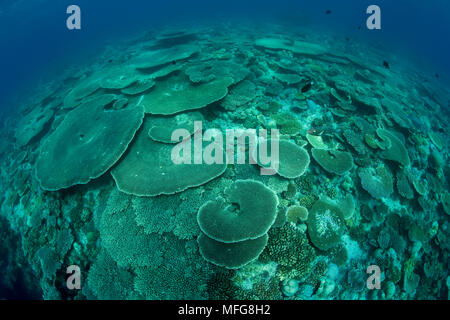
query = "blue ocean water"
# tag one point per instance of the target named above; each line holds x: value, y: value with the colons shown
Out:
x: 36, y: 43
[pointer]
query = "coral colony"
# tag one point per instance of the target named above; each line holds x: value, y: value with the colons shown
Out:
x: 144, y: 170
x: 221, y: 150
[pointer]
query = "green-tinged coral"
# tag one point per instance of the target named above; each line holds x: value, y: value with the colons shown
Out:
x: 404, y: 187
x: 293, y: 161
x: 297, y: 214
x: 384, y: 239
x: 317, y: 272
x: 118, y: 77
x: 436, y: 139
x: 107, y: 281
x: 184, y: 276
x: 337, y: 96
x: 347, y: 206
x: 248, y: 213
x: 220, y: 285
x: 307, y: 201
x: 85, y: 145
x: 49, y: 261
x: 169, y: 95
x: 371, y: 141
x: 147, y: 169
x: 32, y: 124
x: 420, y: 185
x: 418, y: 233
x: 239, y: 95
x: 125, y: 241
x: 163, y: 127
x: 436, y: 160
x: 397, y: 151
x: 161, y: 57
x: 231, y: 255
x: 83, y: 88
x: 94, y: 101
x: 445, y: 199
x: 120, y: 103
x: 176, y: 213
x: 209, y: 70
x: 281, y: 217
x: 288, y: 123
x: 139, y: 87
x: 355, y: 141
x: 299, y: 47
x: 179, y: 219
x: 365, y: 103
x: 317, y: 142
x: 377, y: 182
x: 155, y: 214
x: 290, y: 248
x: 288, y: 78
x: 325, y: 224
x: 291, y: 191
x: 339, y: 255
x: 333, y: 161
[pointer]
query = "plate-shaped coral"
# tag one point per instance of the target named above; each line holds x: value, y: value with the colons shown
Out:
x: 176, y: 93
x: 163, y: 127
x: 248, y: 213
x: 85, y: 145
x: 299, y: 47
x: 325, y: 224
x: 157, y: 58
x: 118, y: 77
x: 147, y: 169
x: 396, y: 151
x: 231, y: 255
x: 125, y: 241
x: 209, y: 70
x: 139, y: 87
x: 84, y: 88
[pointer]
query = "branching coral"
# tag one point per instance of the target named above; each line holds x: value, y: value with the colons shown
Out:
x: 107, y: 281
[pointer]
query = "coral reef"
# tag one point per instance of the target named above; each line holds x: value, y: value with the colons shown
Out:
x: 89, y: 178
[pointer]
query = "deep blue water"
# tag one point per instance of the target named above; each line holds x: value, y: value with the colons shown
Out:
x: 36, y: 44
